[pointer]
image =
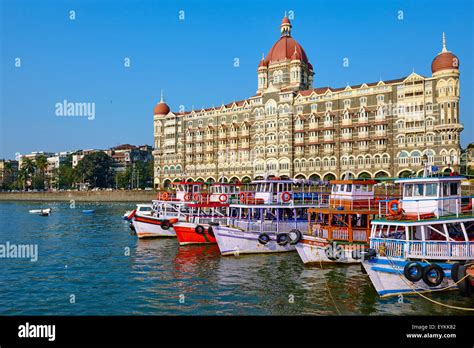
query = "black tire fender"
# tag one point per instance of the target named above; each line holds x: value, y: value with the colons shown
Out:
x: 297, y: 238
x: 165, y: 224
x: 199, y: 229
x: 263, y: 238
x: 282, y: 239
x: 455, y: 272
x: 329, y: 251
x: 464, y: 286
x: 210, y: 231
x: 428, y: 272
x: 408, y: 271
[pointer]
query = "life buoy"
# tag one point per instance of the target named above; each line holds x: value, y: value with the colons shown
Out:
x: 196, y: 196
x: 199, y: 229
x: 187, y: 196
x: 223, y: 198
x: 282, y: 239
x: 242, y: 196
x: 263, y: 238
x: 165, y: 224
x: 433, y: 275
x: 285, y: 196
x: 390, y: 207
x: 295, y: 236
x: 165, y: 196
x: 413, y: 271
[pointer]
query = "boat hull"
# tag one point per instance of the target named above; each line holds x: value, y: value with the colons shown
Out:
x: 233, y: 241
x: 314, y: 250
x: 151, y: 227
x: 387, y: 277
x: 186, y: 234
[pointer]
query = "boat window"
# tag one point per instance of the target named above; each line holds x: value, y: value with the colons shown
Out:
x: 334, y: 188
x: 363, y: 188
x: 418, y: 190
x: 431, y: 190
x: 408, y: 190
x: 445, y: 189
x: 349, y: 188
x: 274, y: 188
x: 342, y: 188
x: 454, y: 188
x: 145, y: 209
x: 357, y: 188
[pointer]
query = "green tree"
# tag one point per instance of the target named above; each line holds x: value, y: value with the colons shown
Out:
x: 27, y: 171
x: 66, y: 174
x: 8, y: 176
x: 41, y: 166
x: 96, y: 170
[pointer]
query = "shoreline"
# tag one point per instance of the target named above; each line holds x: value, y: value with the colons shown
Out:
x: 80, y: 196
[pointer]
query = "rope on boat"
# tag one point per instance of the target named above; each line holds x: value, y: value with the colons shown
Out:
x: 329, y: 290
x: 434, y: 290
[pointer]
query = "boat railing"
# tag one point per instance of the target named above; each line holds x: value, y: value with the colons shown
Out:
x: 287, y: 197
x: 207, y: 219
x: 340, y: 233
x: 425, y: 207
x: 430, y: 249
x: 353, y: 202
x: 269, y: 226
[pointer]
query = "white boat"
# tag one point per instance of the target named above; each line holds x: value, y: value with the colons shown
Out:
x: 269, y: 219
x: 46, y: 211
x: 144, y: 209
x: 424, y: 241
x: 160, y: 222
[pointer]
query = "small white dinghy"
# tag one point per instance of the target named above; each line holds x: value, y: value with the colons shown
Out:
x: 42, y: 212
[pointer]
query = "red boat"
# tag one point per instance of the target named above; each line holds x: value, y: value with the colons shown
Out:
x: 210, y: 209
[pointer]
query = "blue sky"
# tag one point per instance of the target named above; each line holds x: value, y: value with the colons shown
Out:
x: 192, y: 60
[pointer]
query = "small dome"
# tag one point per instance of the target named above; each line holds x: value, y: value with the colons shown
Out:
x: 263, y: 63
x: 285, y: 20
x: 445, y: 60
x: 161, y: 109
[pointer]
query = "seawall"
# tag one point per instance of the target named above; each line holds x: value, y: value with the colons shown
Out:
x: 80, y: 196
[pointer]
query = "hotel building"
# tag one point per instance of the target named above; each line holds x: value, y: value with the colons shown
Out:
x: 291, y: 129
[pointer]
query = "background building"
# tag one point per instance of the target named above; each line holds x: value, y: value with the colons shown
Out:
x: 291, y: 129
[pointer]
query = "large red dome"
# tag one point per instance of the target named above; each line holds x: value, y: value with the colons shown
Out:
x: 284, y: 48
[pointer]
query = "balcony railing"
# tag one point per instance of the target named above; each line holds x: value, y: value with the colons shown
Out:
x: 430, y: 249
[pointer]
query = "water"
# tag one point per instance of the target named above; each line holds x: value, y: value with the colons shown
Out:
x: 84, y: 256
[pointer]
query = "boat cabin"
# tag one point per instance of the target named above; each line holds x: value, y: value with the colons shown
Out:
x: 431, y: 197
x: 223, y: 192
x: 280, y: 191
x: 352, y: 193
x: 187, y: 190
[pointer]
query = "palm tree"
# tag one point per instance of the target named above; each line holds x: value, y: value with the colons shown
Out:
x: 27, y: 169
x: 42, y: 165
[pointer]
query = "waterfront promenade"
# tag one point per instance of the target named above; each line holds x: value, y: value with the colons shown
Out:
x: 81, y: 196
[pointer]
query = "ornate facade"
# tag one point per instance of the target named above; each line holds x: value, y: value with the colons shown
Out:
x: 291, y: 129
